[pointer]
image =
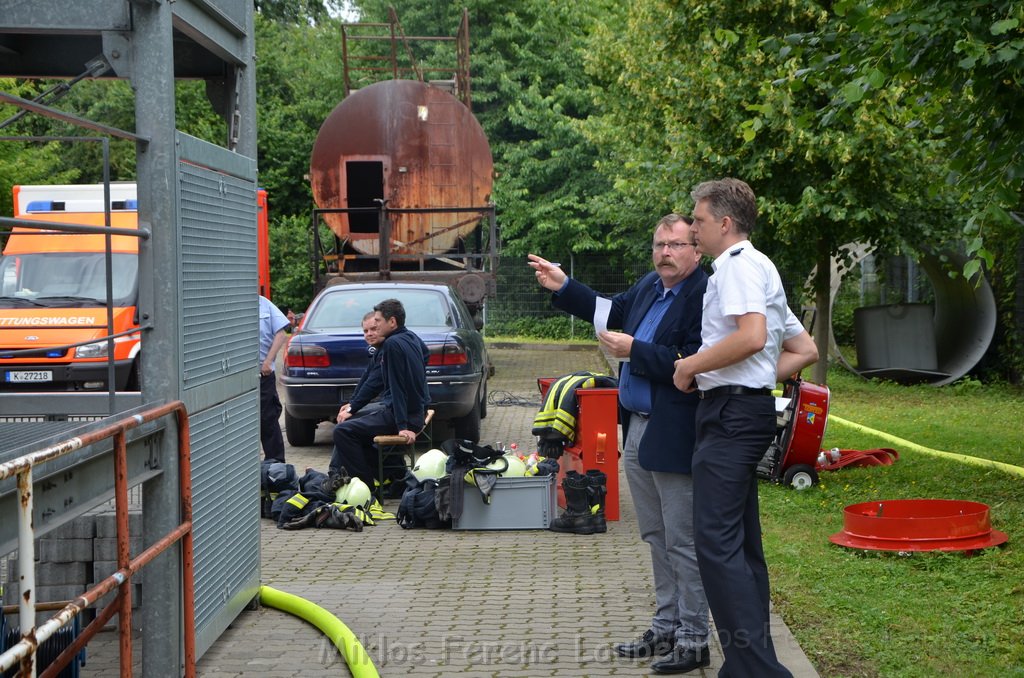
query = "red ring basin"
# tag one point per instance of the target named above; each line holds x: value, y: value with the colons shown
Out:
x: 918, y: 525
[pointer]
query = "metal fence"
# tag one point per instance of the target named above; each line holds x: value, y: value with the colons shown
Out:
x: 523, y: 307
x: 522, y: 304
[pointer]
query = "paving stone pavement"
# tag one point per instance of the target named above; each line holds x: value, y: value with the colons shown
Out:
x: 527, y: 603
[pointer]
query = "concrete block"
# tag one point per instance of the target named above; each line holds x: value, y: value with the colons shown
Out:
x: 11, y: 568
x: 64, y: 550
x: 101, y: 569
x: 106, y: 524
x: 109, y: 598
x: 53, y: 574
x: 45, y: 593
x: 82, y: 527
x: 104, y: 548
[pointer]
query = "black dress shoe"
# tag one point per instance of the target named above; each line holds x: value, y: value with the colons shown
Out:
x: 682, y: 660
x: 647, y: 645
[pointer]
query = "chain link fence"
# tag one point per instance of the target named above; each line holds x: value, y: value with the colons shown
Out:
x: 523, y: 307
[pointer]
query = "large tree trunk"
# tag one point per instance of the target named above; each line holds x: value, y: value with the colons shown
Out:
x: 822, y: 329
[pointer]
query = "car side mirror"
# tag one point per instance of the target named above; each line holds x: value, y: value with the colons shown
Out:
x: 478, y: 322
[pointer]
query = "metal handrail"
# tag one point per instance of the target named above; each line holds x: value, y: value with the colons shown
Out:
x: 23, y: 653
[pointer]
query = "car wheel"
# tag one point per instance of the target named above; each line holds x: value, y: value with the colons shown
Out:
x: 468, y: 426
x: 300, y: 432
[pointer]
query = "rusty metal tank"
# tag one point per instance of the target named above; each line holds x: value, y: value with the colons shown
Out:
x: 413, y: 145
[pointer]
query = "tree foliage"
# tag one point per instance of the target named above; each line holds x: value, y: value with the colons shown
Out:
x: 27, y: 162
x: 307, y: 12
x: 959, y: 68
x: 892, y: 122
x: 710, y: 86
x: 298, y: 83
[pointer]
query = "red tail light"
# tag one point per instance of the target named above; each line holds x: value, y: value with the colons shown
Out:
x: 447, y: 354
x: 302, y: 355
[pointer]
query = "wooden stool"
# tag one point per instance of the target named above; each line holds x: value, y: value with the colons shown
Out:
x: 388, y: 444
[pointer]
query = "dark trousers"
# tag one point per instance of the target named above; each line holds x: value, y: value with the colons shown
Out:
x: 733, y: 433
x: 353, y: 442
x: 270, y: 414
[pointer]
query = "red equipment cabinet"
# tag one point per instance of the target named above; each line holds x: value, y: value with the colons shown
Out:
x: 597, y: 441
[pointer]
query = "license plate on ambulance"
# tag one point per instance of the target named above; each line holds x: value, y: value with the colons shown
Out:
x: 29, y: 376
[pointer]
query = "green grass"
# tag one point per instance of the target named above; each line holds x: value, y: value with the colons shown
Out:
x: 859, y: 613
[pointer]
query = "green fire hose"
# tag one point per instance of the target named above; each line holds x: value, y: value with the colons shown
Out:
x: 359, y: 662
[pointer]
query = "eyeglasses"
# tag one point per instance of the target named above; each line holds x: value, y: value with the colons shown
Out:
x: 674, y: 246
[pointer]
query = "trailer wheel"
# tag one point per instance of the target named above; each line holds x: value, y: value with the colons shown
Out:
x: 300, y: 432
x: 800, y: 476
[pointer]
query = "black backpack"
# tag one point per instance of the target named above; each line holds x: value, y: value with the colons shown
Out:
x: 276, y: 478
x: 420, y: 503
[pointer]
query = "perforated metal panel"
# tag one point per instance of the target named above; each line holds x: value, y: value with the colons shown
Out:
x: 219, y: 331
x: 218, y: 276
x: 225, y: 512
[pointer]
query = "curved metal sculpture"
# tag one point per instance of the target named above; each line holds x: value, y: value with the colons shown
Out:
x: 962, y: 323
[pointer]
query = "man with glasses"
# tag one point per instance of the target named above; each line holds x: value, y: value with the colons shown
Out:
x: 660, y: 318
x: 751, y: 340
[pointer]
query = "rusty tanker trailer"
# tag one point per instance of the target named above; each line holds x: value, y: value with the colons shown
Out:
x: 401, y: 174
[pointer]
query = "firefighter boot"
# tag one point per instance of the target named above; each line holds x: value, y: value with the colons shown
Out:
x: 577, y: 518
x: 597, y: 490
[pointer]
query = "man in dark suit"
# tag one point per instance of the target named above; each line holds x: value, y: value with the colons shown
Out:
x: 660, y: 319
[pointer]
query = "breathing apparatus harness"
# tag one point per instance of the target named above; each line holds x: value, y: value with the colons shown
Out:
x: 555, y: 423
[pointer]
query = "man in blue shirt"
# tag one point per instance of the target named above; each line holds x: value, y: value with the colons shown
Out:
x: 273, y: 323
x: 660, y: 318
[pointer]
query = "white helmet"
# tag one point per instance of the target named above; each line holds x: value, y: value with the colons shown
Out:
x: 431, y: 464
x: 516, y: 467
x: 355, y: 493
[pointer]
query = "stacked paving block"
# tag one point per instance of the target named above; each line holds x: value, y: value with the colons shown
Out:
x: 72, y: 558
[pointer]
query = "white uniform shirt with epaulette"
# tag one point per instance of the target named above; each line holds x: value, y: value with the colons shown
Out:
x: 745, y: 281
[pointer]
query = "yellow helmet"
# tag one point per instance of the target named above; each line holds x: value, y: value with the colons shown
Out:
x: 430, y: 465
x: 355, y: 493
x: 516, y: 467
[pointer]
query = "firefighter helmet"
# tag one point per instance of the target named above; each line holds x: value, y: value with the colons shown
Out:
x: 354, y: 493
x: 430, y: 465
x: 516, y: 467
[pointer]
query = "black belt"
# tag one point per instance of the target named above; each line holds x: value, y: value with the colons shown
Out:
x: 719, y: 391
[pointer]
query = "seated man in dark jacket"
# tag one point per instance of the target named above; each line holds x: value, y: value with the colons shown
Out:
x: 403, y: 396
x: 371, y: 382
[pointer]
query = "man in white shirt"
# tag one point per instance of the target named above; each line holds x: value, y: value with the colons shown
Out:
x: 749, y: 340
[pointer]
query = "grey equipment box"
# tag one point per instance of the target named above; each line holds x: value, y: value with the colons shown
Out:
x: 516, y: 504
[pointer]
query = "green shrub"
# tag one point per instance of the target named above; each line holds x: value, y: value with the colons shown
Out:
x: 558, y: 327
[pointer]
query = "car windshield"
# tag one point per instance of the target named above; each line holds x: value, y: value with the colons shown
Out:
x: 59, y: 278
x: 343, y: 311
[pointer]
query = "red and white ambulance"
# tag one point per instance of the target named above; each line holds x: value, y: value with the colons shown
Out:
x: 53, y: 291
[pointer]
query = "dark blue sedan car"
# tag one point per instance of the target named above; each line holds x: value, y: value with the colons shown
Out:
x: 327, y: 355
